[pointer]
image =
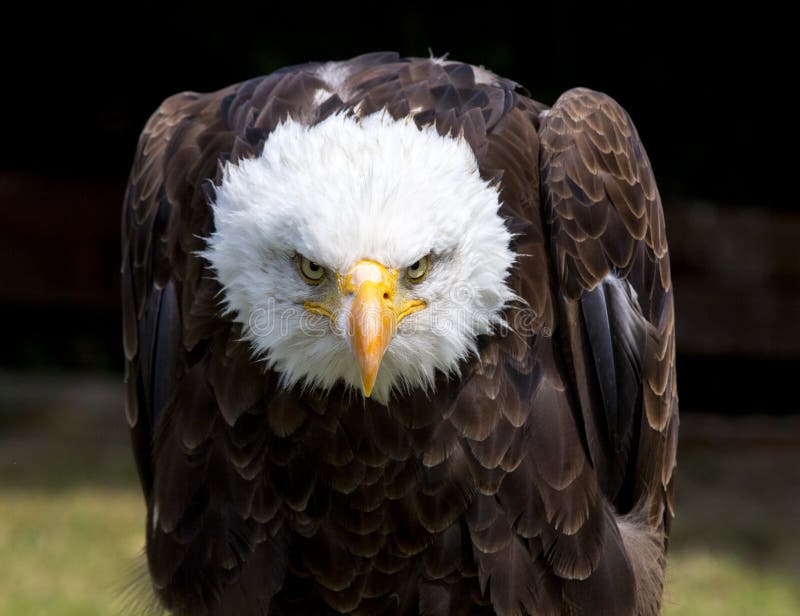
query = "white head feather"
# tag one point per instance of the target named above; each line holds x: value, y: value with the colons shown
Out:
x: 349, y: 189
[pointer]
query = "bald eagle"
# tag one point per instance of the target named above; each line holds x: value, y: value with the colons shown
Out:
x: 399, y: 340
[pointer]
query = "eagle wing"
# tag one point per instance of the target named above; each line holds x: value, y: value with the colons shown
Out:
x: 181, y: 398
x: 609, y: 249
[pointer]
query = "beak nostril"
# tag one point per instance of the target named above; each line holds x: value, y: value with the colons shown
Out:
x: 385, y: 296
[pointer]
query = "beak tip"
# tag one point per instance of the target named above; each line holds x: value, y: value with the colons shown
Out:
x: 366, y: 387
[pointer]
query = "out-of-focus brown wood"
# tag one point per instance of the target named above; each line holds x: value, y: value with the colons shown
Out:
x: 736, y: 273
x: 58, y: 241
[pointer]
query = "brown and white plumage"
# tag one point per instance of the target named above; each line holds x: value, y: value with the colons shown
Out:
x: 537, y: 481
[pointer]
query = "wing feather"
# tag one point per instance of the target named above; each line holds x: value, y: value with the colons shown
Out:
x: 612, y: 266
x: 202, y: 525
x: 629, y: 343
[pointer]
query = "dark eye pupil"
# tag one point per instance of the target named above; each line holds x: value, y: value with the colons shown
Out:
x: 414, y: 265
x: 313, y: 266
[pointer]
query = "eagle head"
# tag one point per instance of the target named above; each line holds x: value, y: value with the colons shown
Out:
x: 362, y: 250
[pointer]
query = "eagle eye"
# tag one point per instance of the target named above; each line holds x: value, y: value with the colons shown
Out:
x: 417, y: 271
x: 312, y: 273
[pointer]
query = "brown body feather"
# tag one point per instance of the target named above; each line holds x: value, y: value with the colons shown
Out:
x: 503, y: 493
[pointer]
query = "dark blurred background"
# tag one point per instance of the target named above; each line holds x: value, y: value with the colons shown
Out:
x: 713, y: 97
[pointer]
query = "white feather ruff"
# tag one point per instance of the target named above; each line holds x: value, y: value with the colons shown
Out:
x: 348, y: 189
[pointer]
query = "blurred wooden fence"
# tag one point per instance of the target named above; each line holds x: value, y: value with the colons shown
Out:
x: 736, y: 272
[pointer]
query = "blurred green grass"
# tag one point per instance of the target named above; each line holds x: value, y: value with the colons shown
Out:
x: 72, y: 517
x: 67, y: 553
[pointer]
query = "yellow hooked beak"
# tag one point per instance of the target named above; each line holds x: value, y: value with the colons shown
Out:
x: 374, y: 315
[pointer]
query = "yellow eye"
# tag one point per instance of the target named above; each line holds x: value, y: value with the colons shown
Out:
x: 417, y: 271
x: 312, y: 273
